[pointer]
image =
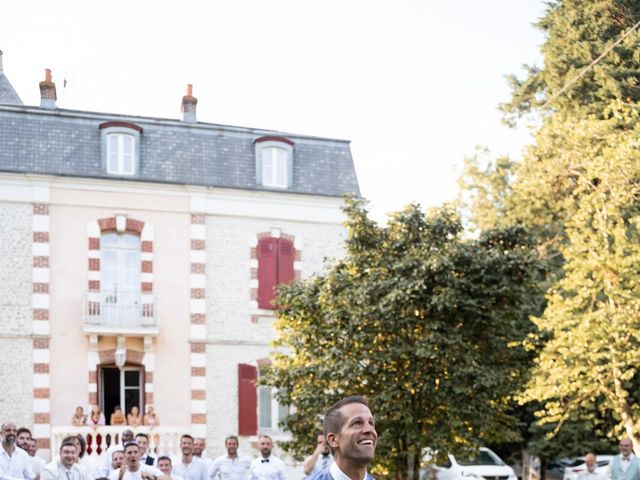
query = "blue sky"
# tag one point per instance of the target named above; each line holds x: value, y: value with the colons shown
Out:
x: 414, y: 84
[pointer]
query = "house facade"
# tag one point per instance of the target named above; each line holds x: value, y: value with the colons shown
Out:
x: 139, y: 256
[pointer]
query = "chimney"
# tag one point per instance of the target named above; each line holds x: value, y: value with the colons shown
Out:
x: 47, y: 91
x: 188, y: 108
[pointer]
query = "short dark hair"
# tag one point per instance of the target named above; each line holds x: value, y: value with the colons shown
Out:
x: 186, y: 435
x: 231, y: 437
x: 142, y: 434
x: 22, y: 430
x: 333, y: 418
x: 67, y: 442
x: 131, y: 444
x: 164, y: 457
x: 81, y: 441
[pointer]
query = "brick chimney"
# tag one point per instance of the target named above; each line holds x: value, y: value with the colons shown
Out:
x: 47, y: 91
x: 188, y: 108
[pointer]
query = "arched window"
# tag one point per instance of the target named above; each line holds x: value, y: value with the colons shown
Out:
x: 120, y: 148
x: 274, y: 162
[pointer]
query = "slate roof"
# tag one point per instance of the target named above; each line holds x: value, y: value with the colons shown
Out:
x: 68, y: 143
x: 7, y: 92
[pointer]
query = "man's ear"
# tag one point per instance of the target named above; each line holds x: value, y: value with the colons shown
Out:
x: 332, y: 439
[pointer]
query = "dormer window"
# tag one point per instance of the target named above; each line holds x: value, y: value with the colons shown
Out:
x: 120, y: 148
x: 274, y: 162
x: 121, y: 154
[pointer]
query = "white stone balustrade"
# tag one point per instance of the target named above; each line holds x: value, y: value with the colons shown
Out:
x: 162, y: 440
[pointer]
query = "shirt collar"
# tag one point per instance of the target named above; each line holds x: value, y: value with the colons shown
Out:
x: 338, y: 474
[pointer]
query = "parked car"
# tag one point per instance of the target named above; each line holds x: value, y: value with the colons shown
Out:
x: 484, y: 466
x: 571, y: 471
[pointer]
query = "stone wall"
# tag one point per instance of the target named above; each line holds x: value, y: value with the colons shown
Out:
x: 16, y: 367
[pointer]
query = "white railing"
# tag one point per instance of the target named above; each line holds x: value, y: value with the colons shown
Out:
x: 120, y: 309
x: 162, y: 440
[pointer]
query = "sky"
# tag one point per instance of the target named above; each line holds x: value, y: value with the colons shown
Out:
x: 414, y: 84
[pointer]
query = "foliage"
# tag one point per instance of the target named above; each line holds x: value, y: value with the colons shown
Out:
x: 578, y: 32
x: 425, y: 323
x: 592, y: 313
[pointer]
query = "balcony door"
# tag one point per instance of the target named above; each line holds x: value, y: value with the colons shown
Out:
x: 120, y: 388
x: 120, y: 279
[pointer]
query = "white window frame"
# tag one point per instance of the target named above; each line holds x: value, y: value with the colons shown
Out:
x: 274, y: 406
x: 262, y: 149
x: 120, y: 133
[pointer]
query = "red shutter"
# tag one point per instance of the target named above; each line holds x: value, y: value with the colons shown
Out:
x: 267, y: 271
x: 247, y: 400
x: 286, y: 256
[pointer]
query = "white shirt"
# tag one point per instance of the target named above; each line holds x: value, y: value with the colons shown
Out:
x: 196, y: 470
x: 57, y: 471
x: 16, y: 466
x: 37, y: 464
x: 587, y: 475
x: 108, y: 458
x: 114, y: 475
x: 323, y: 462
x: 271, y: 468
x: 338, y: 474
x: 227, y: 468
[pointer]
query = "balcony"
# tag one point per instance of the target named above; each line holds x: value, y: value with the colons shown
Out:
x: 117, y: 313
x: 162, y: 440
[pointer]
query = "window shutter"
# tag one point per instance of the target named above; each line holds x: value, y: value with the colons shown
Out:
x: 247, y: 400
x: 286, y: 256
x: 267, y: 271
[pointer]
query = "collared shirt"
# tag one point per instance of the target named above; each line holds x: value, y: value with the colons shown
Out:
x: 114, y: 475
x: 625, y: 462
x: 324, y: 461
x: 37, y: 464
x: 227, y: 468
x: 16, y: 466
x: 57, y: 471
x: 595, y: 475
x: 195, y: 470
x: 271, y: 468
x: 338, y: 474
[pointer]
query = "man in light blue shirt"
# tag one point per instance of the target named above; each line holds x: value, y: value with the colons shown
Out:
x: 320, y: 459
x: 231, y: 466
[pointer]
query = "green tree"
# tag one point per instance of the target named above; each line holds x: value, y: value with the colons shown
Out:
x: 425, y: 323
x: 577, y: 33
x: 593, y: 310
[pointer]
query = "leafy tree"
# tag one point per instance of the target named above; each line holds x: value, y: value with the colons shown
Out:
x: 425, y: 323
x: 551, y: 192
x: 578, y: 32
x: 593, y: 353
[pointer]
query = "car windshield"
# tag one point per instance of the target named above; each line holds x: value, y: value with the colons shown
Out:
x: 483, y: 458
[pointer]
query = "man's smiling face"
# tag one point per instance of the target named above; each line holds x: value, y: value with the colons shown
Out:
x: 358, y: 437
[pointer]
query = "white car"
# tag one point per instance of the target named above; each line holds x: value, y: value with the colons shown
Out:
x: 571, y: 472
x: 485, y: 466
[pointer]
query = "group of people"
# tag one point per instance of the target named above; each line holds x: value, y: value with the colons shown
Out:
x: 343, y: 451
x: 133, y: 418
x: 624, y: 466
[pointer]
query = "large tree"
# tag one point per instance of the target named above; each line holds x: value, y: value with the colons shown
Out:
x: 583, y: 154
x: 425, y: 323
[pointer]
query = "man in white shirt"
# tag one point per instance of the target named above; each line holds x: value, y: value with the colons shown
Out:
x: 37, y: 463
x: 625, y: 466
x: 591, y: 473
x: 117, y: 460
x: 230, y: 466
x: 188, y: 466
x: 320, y: 459
x: 14, y: 462
x: 127, y: 436
x: 132, y: 469
x: 142, y: 439
x: 199, y: 450
x: 23, y: 435
x: 165, y: 466
x: 267, y: 467
x: 65, y: 467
